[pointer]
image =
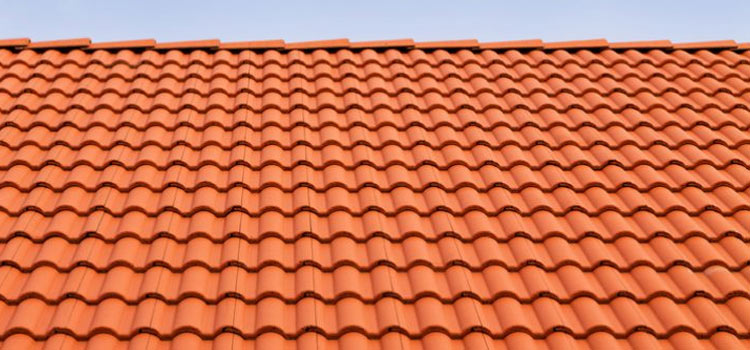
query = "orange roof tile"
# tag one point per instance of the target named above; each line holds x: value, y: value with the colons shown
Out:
x: 318, y: 44
x: 218, y: 195
x: 17, y: 42
x: 128, y: 44
x: 651, y: 44
x: 516, y: 44
x: 68, y: 43
x: 191, y: 44
x: 262, y: 44
x: 401, y: 43
x: 578, y: 44
x: 451, y: 44
x: 720, y: 44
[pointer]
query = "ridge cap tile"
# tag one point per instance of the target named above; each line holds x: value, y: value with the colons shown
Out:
x: 698, y: 45
x: 86, y: 43
x: 125, y: 44
x: 577, y: 44
x: 258, y: 44
x: 448, y: 44
x: 646, y: 44
x: 393, y: 43
x: 14, y: 42
x: 189, y: 44
x: 65, y: 43
x: 318, y: 44
x: 513, y: 44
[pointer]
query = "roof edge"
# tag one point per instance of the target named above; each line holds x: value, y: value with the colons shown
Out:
x: 401, y: 44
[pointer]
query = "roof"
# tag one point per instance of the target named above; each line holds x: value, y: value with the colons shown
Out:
x: 399, y: 196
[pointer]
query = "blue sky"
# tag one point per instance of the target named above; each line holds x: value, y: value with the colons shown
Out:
x: 105, y: 20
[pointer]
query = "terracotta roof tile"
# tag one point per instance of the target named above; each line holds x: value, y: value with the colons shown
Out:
x: 128, y: 44
x: 193, y: 44
x: 451, y: 44
x: 53, y: 44
x: 517, y: 44
x: 18, y: 42
x: 720, y: 44
x: 384, y: 43
x: 400, y: 44
x: 262, y: 44
x: 577, y: 44
x: 652, y: 44
x: 318, y: 44
x: 209, y: 195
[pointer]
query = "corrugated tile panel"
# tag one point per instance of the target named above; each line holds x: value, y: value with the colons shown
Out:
x: 442, y: 197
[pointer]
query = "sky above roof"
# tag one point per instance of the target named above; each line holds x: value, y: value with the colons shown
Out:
x: 678, y: 21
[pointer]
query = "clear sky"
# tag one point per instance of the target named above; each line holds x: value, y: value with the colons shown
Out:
x: 291, y: 20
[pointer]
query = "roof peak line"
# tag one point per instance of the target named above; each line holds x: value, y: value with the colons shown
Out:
x: 469, y: 44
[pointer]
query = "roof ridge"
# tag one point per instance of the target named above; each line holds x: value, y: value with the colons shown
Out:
x: 406, y: 43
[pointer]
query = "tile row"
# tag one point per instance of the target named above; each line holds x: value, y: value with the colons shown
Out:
x: 565, y: 285
x: 496, y: 138
x: 389, y: 57
x: 580, y: 178
x: 337, y: 72
x: 560, y: 201
x: 589, y: 102
x: 538, y: 226
x: 605, y: 85
x: 568, y: 157
x: 583, y: 316
x: 518, y: 119
x: 624, y: 254
x: 391, y: 340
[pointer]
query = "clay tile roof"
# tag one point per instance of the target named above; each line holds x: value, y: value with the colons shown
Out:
x: 263, y: 195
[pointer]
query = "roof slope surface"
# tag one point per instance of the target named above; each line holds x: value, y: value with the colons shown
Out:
x: 395, y: 199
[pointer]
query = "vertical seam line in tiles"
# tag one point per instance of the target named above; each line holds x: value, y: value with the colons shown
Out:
x: 240, y: 240
x: 308, y: 188
x: 464, y: 271
x: 109, y: 189
x: 190, y: 113
x: 381, y: 228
